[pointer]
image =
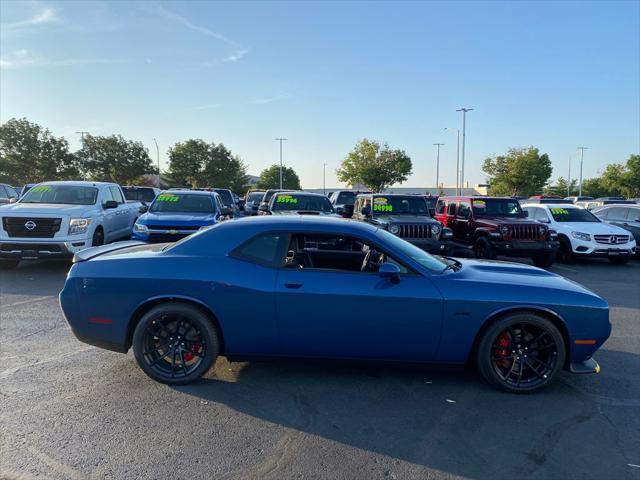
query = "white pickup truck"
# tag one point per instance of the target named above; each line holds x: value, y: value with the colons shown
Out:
x: 57, y: 219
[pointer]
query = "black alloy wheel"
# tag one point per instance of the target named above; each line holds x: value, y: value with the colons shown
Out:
x: 98, y: 238
x: 543, y: 259
x: 521, y: 353
x: 565, y: 252
x: 175, y: 343
x: 483, y: 249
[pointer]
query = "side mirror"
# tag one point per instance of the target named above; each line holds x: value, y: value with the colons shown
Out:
x: 224, y: 211
x: 389, y: 271
x: 263, y: 207
x: 110, y: 204
x: 366, y: 211
x: 526, y: 214
x: 144, y: 208
x: 13, y: 200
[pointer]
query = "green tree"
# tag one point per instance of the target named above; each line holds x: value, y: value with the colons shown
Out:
x: 270, y: 178
x: 196, y: 163
x: 522, y: 171
x: 30, y: 153
x: 593, y: 187
x: 114, y: 159
x: 375, y: 166
x: 562, y: 188
x: 632, y: 176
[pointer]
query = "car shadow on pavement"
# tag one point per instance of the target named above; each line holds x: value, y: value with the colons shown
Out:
x: 451, y: 421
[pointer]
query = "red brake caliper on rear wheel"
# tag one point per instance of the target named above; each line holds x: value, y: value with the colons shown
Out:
x: 503, y: 341
x: 189, y: 356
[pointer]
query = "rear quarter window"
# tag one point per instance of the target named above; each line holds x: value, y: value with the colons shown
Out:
x: 266, y: 249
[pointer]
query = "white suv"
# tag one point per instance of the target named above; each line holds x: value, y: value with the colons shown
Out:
x: 582, y: 234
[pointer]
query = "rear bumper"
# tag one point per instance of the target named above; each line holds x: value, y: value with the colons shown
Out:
x: 587, y: 366
x: 34, y: 249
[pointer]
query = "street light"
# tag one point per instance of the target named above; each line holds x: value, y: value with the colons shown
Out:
x: 438, y: 145
x: 324, y: 179
x: 464, y: 133
x: 158, y: 160
x: 582, y: 149
x: 281, y: 140
x: 82, y: 134
x: 457, y: 158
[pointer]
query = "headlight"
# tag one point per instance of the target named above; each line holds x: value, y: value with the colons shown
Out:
x: 140, y: 228
x: 504, y: 230
x: 542, y: 231
x: 581, y: 236
x: 79, y: 225
x: 395, y: 229
x: 435, y: 230
x: 447, y: 233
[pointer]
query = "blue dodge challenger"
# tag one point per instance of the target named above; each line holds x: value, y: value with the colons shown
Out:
x: 313, y: 287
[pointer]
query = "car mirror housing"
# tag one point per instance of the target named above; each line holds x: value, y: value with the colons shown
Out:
x: 389, y: 271
x: 143, y: 208
x: 263, y: 207
x: 110, y: 204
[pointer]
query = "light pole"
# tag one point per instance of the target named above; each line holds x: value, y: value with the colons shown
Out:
x: 281, y: 140
x: 464, y: 135
x: 457, y: 159
x: 569, y: 178
x: 582, y: 149
x: 158, y: 160
x: 438, y: 145
x: 84, y: 172
x: 324, y: 179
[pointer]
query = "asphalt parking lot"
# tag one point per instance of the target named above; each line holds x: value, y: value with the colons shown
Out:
x: 69, y: 410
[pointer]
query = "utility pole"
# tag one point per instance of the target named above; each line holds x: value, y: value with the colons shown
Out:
x: 464, y: 134
x: 82, y: 133
x: 324, y: 179
x: 158, y: 160
x: 582, y: 149
x: 457, y: 159
x: 438, y: 145
x: 281, y: 140
x: 569, y: 179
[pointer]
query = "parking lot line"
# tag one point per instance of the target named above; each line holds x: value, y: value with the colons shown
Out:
x: 24, y: 302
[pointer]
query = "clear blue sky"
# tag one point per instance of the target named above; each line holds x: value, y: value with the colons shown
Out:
x: 555, y: 75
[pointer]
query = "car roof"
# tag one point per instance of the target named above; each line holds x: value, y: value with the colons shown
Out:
x: 268, y: 222
x: 474, y: 197
x: 300, y: 192
x: 76, y: 183
x: 194, y: 192
x: 553, y: 205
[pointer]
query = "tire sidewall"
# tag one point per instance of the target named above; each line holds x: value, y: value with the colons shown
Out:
x: 483, y: 358
x: 195, y: 315
x: 98, y: 233
x: 486, y: 248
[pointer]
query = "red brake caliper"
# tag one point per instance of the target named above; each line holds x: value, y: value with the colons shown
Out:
x: 503, y: 341
x: 189, y: 356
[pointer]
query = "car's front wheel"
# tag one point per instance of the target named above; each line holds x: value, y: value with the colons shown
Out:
x: 484, y: 249
x: 521, y: 353
x: 543, y: 260
x: 175, y: 343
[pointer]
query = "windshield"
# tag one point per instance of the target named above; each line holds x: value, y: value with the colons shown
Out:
x: 346, y: 198
x: 255, y: 196
x: 61, y: 194
x: 225, y: 196
x: 399, y: 205
x: 310, y: 203
x: 572, y: 215
x: 182, y: 202
x: 493, y: 207
x: 430, y: 262
x: 139, y: 194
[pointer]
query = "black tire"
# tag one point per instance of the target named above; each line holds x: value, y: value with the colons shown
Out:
x: 620, y: 260
x: 544, y: 259
x: 175, y: 343
x: 535, y: 360
x: 565, y: 252
x: 98, y: 237
x: 483, y: 249
x: 8, y: 263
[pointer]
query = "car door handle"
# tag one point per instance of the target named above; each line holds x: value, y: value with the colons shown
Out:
x: 292, y: 285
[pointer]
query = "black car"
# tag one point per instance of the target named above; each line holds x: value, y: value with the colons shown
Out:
x: 264, y: 203
x: 406, y: 216
x: 252, y: 201
x: 299, y: 203
x: 343, y: 200
x: 626, y: 216
x: 145, y: 195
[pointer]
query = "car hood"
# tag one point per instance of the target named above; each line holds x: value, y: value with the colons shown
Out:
x: 20, y: 209
x: 399, y: 219
x: 594, y: 228
x: 175, y: 218
x: 505, y: 221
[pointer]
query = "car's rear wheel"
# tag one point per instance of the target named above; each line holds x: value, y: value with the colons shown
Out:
x: 483, y: 249
x: 521, y: 353
x: 8, y: 263
x: 565, y: 252
x: 175, y: 343
x: 620, y: 260
x: 543, y: 260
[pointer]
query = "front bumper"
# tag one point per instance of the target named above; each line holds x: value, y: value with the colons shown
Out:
x: 443, y: 247
x: 25, y: 249
x: 587, y: 366
x: 161, y: 236
x: 524, y: 248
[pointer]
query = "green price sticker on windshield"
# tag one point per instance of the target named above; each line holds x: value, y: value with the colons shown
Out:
x: 559, y: 211
x: 167, y: 198
x: 382, y: 208
x: 41, y: 188
x: 480, y: 203
x: 286, y: 199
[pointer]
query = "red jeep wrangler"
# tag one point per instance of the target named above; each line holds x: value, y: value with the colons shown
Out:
x: 497, y: 226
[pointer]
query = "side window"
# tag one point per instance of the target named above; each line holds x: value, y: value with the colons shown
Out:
x: 3, y: 192
x: 540, y: 214
x: 219, y: 202
x: 617, y: 214
x: 440, y: 207
x: 117, y: 196
x: 464, y: 211
x: 107, y: 196
x: 266, y: 249
x: 451, y: 209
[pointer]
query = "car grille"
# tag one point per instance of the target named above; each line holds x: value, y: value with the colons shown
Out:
x: 611, y: 239
x: 165, y: 237
x: 524, y: 232
x: 414, y: 231
x: 38, y: 247
x: 172, y: 227
x: 44, y: 227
